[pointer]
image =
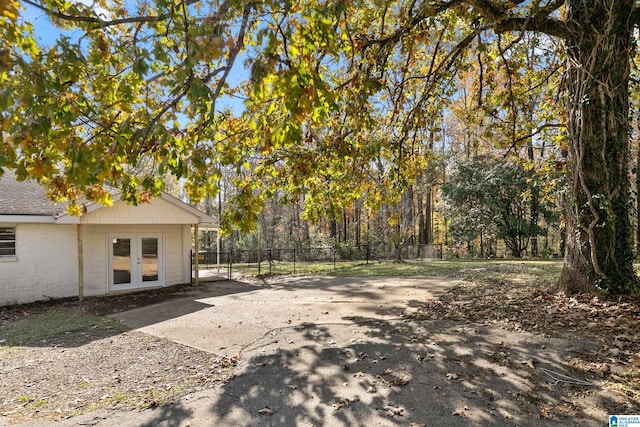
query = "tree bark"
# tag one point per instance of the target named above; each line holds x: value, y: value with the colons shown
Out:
x: 636, y: 123
x: 535, y: 201
x: 428, y: 220
x: 598, y: 253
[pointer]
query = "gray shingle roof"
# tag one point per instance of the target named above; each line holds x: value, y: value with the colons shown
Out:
x: 24, y: 197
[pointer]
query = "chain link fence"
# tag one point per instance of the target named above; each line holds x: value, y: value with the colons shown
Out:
x: 313, y: 259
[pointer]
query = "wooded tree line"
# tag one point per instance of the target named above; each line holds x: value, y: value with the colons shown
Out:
x: 343, y: 103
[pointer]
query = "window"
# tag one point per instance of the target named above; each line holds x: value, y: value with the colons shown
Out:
x: 7, y: 241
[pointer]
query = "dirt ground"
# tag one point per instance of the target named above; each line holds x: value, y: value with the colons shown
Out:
x: 498, y: 350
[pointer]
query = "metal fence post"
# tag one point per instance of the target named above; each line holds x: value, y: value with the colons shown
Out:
x: 334, y: 258
x: 294, y: 261
x: 259, y: 260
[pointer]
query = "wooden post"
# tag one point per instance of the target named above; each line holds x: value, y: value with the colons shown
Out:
x: 80, y: 263
x: 218, y: 248
x: 196, y: 244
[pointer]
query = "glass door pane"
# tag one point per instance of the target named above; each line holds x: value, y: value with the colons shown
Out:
x: 121, y: 261
x: 149, y: 259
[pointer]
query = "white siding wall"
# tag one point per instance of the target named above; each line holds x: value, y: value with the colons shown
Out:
x: 46, y: 265
x: 176, y: 254
x: 158, y: 211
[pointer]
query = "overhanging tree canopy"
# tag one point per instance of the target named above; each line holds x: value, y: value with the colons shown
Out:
x: 340, y: 99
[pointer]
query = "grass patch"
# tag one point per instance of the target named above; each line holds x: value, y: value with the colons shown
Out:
x: 454, y: 268
x: 529, y: 270
x: 52, y: 324
x: 285, y: 267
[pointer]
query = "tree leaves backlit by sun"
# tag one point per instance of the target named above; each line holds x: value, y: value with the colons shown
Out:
x: 339, y: 102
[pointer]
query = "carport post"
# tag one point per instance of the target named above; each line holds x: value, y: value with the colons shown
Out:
x: 80, y: 264
x: 218, y: 248
x: 196, y: 244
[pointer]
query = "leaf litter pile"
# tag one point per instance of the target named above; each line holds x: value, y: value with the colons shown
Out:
x: 516, y: 300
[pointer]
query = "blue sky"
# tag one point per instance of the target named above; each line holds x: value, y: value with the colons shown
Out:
x: 46, y: 35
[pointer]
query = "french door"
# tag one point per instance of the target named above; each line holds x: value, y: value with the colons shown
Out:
x: 135, y: 261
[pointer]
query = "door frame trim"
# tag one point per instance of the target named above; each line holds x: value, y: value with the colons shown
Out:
x: 136, y: 245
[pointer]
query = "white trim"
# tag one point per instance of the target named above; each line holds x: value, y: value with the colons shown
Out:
x: 15, y: 219
x: 13, y: 257
x: 135, y: 251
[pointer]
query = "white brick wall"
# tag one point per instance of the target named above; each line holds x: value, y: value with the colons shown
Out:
x: 46, y: 265
x: 176, y: 256
x: 46, y: 262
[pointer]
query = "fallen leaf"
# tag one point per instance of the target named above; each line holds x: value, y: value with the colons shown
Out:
x: 528, y: 362
x: 394, y: 411
x: 266, y: 411
x: 344, y: 402
x: 459, y: 412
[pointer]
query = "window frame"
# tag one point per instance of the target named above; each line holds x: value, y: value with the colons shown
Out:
x: 13, y: 228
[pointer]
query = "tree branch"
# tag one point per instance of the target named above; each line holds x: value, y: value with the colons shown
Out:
x: 540, y: 24
x: 100, y: 23
x: 499, y: 16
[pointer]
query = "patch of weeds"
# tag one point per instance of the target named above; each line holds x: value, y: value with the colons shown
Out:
x: 83, y: 384
x: 31, y: 400
x: 40, y: 402
x: 119, y: 396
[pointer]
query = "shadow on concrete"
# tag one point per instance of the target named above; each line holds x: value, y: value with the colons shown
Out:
x: 169, y: 416
x: 374, y: 372
x: 42, y: 324
x: 428, y: 373
x: 369, y: 289
x: 183, y: 304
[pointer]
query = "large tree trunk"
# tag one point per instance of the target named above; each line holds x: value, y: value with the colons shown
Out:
x: 598, y: 253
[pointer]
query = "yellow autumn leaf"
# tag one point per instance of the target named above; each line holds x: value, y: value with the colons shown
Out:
x: 9, y: 9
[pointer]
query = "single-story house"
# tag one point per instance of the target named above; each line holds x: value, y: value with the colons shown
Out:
x: 46, y: 253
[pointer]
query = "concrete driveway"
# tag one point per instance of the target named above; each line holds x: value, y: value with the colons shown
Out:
x: 237, y: 319
x: 321, y: 351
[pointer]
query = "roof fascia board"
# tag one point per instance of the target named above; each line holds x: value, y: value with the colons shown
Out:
x: 204, y: 218
x: 22, y: 219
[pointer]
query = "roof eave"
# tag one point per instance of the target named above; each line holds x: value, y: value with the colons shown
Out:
x: 23, y: 219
